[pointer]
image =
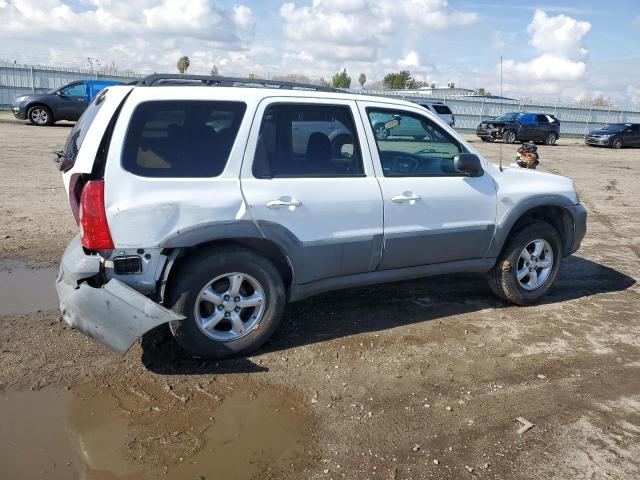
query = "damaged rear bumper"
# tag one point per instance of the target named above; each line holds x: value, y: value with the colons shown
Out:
x: 113, y: 314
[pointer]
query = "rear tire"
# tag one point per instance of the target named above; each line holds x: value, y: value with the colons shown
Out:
x: 551, y: 138
x: 215, y: 324
x: 512, y: 263
x: 40, y: 116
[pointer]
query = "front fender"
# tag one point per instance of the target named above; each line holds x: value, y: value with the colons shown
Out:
x: 507, y: 222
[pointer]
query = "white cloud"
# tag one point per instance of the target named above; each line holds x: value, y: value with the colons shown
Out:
x: 201, y: 19
x: 412, y: 60
x: 561, y: 35
x: 357, y: 30
x: 559, y: 40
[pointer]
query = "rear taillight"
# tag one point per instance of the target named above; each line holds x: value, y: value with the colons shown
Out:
x: 94, y: 229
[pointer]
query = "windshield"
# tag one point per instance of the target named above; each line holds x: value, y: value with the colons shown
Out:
x: 508, y: 117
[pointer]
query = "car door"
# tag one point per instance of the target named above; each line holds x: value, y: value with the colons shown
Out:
x: 322, y: 205
x: 432, y: 214
x: 528, y: 130
x: 542, y: 127
x: 633, y: 134
x: 70, y: 102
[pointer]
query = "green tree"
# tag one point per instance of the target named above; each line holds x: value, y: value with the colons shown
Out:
x: 341, y: 80
x: 183, y: 64
x: 399, y: 80
x: 362, y: 79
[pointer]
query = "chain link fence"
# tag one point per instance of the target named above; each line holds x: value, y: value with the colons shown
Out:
x: 574, y: 120
x: 16, y: 80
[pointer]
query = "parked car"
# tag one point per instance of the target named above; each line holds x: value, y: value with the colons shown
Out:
x: 65, y: 103
x: 615, y: 135
x: 521, y: 127
x: 440, y: 109
x: 197, y: 208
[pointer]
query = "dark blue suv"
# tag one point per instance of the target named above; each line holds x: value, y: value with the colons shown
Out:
x: 522, y: 127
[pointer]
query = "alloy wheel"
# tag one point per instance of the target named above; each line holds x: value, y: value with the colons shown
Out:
x: 230, y: 306
x: 39, y: 116
x: 534, y: 264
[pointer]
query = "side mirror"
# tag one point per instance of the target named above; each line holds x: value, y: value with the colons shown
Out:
x: 468, y: 163
x: 59, y: 93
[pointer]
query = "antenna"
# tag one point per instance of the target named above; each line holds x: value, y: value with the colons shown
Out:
x: 501, y: 100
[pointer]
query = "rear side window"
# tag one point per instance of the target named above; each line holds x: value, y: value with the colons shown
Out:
x: 305, y: 140
x: 181, y: 138
x: 542, y: 119
x: 442, y: 109
x: 79, y: 130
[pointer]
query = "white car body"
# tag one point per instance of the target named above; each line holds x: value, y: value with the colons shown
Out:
x: 339, y: 231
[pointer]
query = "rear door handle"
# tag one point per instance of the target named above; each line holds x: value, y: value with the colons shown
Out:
x: 406, y: 197
x: 284, y: 203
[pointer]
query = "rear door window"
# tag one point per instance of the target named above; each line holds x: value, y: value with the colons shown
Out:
x: 307, y: 140
x: 181, y: 138
x: 542, y: 119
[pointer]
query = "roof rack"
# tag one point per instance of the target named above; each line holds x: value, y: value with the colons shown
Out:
x: 163, y: 79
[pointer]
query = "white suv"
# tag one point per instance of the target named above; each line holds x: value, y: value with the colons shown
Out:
x: 209, y: 203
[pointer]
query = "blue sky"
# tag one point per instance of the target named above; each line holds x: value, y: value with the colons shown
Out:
x: 566, y: 50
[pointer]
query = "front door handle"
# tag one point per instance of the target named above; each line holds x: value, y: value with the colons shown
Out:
x: 291, y: 203
x: 406, y: 197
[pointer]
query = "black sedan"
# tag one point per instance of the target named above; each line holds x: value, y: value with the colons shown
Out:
x: 615, y: 135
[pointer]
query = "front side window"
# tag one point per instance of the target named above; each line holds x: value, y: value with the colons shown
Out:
x: 76, y: 90
x: 181, y: 138
x: 508, y: 117
x: 410, y: 145
x: 304, y: 140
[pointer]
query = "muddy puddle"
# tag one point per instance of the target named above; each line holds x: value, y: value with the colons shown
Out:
x: 140, y: 433
x: 24, y: 289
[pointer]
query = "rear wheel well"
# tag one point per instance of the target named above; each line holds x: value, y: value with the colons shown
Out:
x: 266, y: 248
x: 555, y: 216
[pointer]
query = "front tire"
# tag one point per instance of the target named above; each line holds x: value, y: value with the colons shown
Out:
x: 616, y: 143
x: 381, y: 132
x: 509, y: 136
x: 232, y: 300
x: 40, y: 116
x: 528, y: 265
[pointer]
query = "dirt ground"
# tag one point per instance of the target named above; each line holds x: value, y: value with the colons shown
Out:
x: 412, y: 380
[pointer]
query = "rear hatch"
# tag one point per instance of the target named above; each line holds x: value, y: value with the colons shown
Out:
x: 81, y: 152
x: 81, y: 148
x: 445, y: 113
